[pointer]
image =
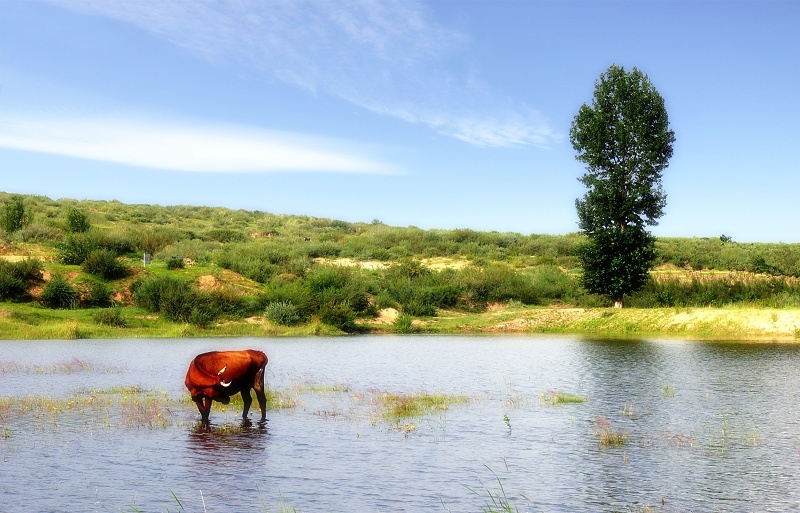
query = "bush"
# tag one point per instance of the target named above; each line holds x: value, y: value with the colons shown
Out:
x: 338, y: 315
x: 29, y: 269
x: 77, y: 247
x: 175, y: 299
x: 404, y: 323
x: 104, y: 263
x: 98, y: 295
x: 77, y: 222
x: 59, y: 293
x: 292, y: 292
x: 11, y: 287
x: 110, y: 317
x: 224, y: 235
x: 175, y: 263
x: 36, y: 232
x: 283, y: 313
x: 12, y: 217
x: 149, y: 293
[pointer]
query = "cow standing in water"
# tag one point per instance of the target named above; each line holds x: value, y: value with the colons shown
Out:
x: 218, y: 375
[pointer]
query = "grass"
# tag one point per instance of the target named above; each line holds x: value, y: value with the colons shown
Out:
x: 126, y: 407
x: 497, y: 502
x: 554, y: 397
x: 441, y: 281
x: 608, y: 435
x: 401, y: 406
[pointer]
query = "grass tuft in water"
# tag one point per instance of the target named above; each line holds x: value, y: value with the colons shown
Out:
x: 400, y: 406
x: 607, y: 434
x: 554, y: 397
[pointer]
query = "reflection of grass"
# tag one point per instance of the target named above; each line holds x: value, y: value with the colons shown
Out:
x: 409, y: 405
x: 72, y: 366
x: 323, y: 387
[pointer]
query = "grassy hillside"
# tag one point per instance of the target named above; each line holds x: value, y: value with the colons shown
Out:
x: 75, y: 269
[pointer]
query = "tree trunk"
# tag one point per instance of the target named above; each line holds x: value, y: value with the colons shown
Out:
x: 617, y: 303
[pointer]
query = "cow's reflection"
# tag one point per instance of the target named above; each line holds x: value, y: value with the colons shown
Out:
x: 246, y: 436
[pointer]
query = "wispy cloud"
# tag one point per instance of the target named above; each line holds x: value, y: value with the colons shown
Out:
x: 387, y: 56
x: 183, y: 147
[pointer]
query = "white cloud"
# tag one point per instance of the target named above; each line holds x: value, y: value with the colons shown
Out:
x: 182, y: 147
x: 387, y: 56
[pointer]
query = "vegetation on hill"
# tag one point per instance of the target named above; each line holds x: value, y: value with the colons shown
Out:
x: 79, y: 265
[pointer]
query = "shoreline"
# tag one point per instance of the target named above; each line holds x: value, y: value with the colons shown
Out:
x: 26, y: 322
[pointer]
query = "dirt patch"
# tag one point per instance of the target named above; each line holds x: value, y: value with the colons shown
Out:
x: 208, y: 282
x: 386, y: 316
x: 437, y: 264
x: 349, y: 262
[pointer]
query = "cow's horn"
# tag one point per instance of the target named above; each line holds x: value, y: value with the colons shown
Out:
x: 222, y: 370
x: 223, y: 383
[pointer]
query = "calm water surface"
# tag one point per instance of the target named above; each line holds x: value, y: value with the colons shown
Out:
x: 708, y: 427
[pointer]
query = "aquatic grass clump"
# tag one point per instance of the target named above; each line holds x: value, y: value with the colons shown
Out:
x: 400, y: 406
x: 554, y: 397
x: 608, y: 435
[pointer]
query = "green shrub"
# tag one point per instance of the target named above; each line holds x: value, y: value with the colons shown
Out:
x: 175, y: 299
x: 13, y: 216
x: 77, y: 247
x: 37, y: 232
x: 11, y: 287
x: 338, y: 315
x: 283, y: 313
x: 110, y: 317
x: 418, y: 307
x: 175, y: 263
x: 28, y: 269
x: 149, y: 293
x: 77, y: 222
x: 226, y: 301
x: 224, y: 235
x: 104, y: 263
x: 98, y: 295
x: 151, y: 240
x: 292, y: 292
x: 404, y: 323
x: 201, y: 315
x: 59, y: 293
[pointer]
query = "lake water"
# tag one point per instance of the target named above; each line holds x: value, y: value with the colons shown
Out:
x: 705, y: 427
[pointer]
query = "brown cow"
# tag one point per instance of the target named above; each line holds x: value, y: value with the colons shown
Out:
x: 218, y: 375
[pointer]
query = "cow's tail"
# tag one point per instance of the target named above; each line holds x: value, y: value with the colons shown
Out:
x: 258, y: 385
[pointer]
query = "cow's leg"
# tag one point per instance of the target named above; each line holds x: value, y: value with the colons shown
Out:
x: 247, y: 400
x: 258, y: 386
x: 204, y: 406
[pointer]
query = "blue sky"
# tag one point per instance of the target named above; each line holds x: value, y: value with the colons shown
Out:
x: 450, y: 114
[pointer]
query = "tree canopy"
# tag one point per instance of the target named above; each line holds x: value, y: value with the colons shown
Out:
x: 624, y: 140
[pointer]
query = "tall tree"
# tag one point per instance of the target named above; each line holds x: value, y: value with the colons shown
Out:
x: 624, y: 140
